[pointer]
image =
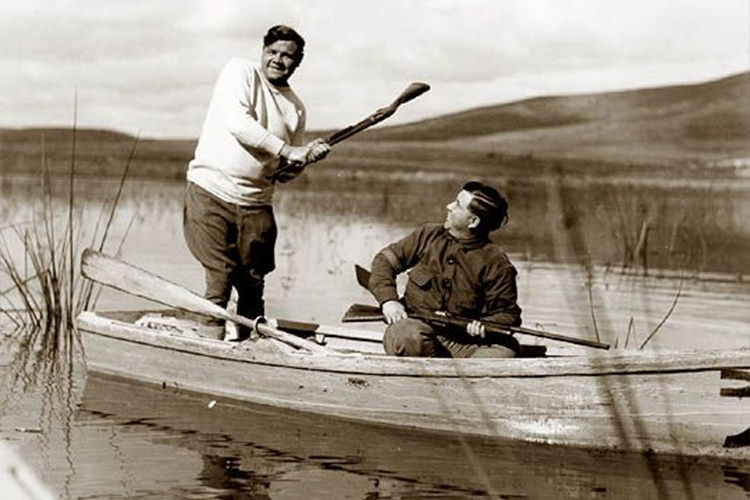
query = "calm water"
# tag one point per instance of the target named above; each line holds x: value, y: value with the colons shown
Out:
x: 93, y: 437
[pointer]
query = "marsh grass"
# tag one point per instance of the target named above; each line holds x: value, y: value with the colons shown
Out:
x: 39, y: 259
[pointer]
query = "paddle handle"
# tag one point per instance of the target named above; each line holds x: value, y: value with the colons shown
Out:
x: 261, y: 326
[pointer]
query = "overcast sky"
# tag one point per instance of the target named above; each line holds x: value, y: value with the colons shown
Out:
x: 148, y: 66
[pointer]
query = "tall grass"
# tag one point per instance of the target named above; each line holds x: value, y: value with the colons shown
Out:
x: 41, y: 262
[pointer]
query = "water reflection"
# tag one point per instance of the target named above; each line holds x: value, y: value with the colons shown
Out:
x: 234, y: 449
x: 738, y: 477
x: 172, y: 443
x: 38, y: 399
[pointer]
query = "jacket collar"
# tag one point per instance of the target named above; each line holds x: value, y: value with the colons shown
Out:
x: 469, y: 243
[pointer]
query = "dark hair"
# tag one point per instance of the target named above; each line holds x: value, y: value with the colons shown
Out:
x: 487, y: 204
x: 282, y: 32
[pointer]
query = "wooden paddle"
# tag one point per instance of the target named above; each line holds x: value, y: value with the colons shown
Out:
x: 127, y: 278
x: 361, y: 312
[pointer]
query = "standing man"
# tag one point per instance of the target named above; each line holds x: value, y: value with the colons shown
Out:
x: 254, y: 122
x: 454, y: 268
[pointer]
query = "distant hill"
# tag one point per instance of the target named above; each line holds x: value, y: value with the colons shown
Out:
x: 671, y: 127
x: 97, y: 152
x: 701, y: 122
x: 56, y: 134
x: 726, y: 100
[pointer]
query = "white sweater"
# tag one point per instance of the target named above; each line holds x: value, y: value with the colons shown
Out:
x: 247, y: 123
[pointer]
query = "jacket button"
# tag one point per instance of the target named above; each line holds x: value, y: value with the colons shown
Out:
x: 451, y: 260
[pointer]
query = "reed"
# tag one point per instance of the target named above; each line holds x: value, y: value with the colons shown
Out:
x: 40, y: 261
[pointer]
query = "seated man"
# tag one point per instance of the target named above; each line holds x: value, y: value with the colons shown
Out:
x: 454, y: 268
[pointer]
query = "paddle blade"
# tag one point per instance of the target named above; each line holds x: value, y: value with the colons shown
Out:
x: 130, y: 279
x: 413, y: 91
x: 127, y: 278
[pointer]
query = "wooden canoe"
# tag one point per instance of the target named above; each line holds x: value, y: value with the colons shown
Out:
x: 673, y: 402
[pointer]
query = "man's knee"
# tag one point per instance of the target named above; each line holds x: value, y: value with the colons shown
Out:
x: 410, y: 337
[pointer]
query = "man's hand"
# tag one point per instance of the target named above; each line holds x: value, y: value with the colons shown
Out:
x: 475, y: 328
x: 294, y: 155
x: 295, y: 158
x: 319, y: 148
x: 393, y: 311
x: 300, y: 156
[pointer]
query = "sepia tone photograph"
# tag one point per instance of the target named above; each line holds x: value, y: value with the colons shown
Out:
x: 435, y: 249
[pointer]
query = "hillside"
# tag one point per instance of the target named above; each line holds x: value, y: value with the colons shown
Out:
x: 665, y: 126
x: 98, y: 152
x: 599, y: 134
x: 682, y: 103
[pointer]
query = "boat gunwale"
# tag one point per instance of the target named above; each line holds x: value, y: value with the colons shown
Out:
x: 588, y: 364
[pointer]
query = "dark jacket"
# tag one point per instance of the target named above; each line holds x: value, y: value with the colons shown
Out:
x: 472, y: 278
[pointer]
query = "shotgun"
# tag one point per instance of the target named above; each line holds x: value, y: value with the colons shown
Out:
x: 363, y: 312
x: 413, y: 91
x: 373, y: 313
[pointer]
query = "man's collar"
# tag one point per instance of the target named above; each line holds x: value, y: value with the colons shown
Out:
x: 469, y: 243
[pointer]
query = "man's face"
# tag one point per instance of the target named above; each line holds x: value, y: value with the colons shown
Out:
x: 459, y: 219
x: 279, y: 60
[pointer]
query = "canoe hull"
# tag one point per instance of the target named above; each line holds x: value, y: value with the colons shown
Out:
x: 679, y: 411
